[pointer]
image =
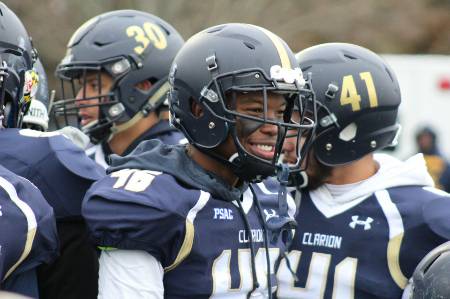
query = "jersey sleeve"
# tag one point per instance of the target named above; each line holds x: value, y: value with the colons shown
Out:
x: 32, y: 240
x: 437, y: 215
x: 64, y: 176
x: 137, y: 210
x: 426, y: 218
x: 130, y: 274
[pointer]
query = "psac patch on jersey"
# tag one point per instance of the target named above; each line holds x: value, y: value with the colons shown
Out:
x: 223, y: 213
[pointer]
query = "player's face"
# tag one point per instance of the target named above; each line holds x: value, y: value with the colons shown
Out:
x: 318, y: 174
x: 257, y: 138
x: 87, y: 102
x: 290, y: 143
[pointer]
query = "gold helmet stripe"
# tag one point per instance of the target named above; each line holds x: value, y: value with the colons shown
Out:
x: 284, y: 58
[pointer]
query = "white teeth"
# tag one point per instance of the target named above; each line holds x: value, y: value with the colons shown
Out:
x: 266, y: 148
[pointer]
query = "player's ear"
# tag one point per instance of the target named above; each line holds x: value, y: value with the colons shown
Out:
x: 196, y: 109
x: 144, y: 85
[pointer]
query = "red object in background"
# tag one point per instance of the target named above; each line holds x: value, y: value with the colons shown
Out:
x: 444, y: 83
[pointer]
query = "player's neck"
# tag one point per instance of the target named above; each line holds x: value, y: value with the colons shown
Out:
x: 212, y: 165
x: 354, y: 172
x: 122, y: 140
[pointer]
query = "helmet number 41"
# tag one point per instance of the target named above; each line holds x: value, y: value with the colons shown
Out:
x: 349, y: 94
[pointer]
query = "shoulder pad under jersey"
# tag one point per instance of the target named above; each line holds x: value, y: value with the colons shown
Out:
x: 28, y: 231
x: 436, y: 212
x: 140, y: 210
x: 75, y: 159
x: 60, y: 170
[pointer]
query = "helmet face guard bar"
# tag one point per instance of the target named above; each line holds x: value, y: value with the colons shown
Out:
x: 304, y: 139
x: 66, y: 110
x: 3, y: 76
x: 255, y: 80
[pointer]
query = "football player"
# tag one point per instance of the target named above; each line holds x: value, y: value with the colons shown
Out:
x: 116, y: 67
x: 28, y: 236
x: 365, y: 220
x: 181, y: 221
x: 60, y: 170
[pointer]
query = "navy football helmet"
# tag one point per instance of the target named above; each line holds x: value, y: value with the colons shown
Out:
x: 358, y: 97
x: 130, y: 46
x: 431, y: 278
x: 216, y: 65
x: 18, y: 81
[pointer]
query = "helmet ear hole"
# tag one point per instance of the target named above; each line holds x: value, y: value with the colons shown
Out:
x: 196, y: 108
x: 144, y: 85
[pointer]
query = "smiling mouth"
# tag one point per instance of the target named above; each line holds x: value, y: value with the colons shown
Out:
x: 263, y: 150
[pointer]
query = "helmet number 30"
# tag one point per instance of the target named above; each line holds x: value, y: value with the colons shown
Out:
x: 145, y: 35
x: 350, y: 96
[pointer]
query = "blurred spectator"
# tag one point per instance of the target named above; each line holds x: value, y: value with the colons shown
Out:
x: 437, y: 164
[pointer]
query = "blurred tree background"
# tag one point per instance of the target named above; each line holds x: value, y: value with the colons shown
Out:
x: 400, y: 26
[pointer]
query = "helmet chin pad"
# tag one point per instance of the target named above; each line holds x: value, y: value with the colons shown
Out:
x: 250, y: 169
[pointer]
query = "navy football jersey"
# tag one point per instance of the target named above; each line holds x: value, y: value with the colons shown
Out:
x: 200, y: 240
x: 28, y: 235
x: 60, y: 170
x: 364, y: 249
x: 63, y: 173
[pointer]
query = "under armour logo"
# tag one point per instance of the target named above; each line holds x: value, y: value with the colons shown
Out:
x: 270, y: 214
x: 356, y: 221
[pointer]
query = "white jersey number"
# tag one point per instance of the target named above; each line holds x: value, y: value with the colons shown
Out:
x: 221, y: 274
x: 316, y: 282
x: 133, y: 179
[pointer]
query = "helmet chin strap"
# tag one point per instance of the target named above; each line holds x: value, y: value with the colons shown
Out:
x: 298, y: 179
x: 89, y: 125
x: 241, y: 162
x: 117, y: 128
x: 249, y: 169
x: 148, y: 107
x: 282, y: 225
